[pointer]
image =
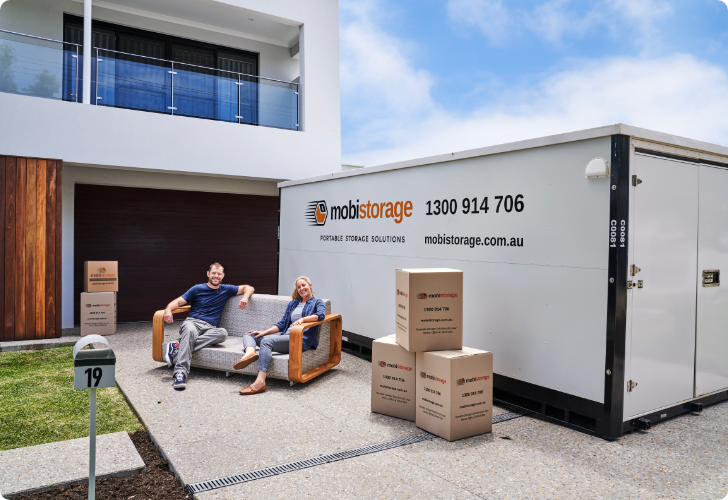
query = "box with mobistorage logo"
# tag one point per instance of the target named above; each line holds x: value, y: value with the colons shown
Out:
x: 101, y: 276
x: 454, y: 393
x: 429, y: 315
x: 98, y: 313
x: 393, y: 379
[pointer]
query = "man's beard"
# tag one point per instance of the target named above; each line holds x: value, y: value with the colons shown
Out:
x: 209, y: 281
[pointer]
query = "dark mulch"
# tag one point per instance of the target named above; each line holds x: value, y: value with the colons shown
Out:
x: 157, y: 483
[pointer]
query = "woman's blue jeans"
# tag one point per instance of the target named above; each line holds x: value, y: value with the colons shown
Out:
x: 274, y: 342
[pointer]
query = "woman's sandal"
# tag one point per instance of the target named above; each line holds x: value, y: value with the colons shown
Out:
x: 245, y: 361
x: 249, y: 390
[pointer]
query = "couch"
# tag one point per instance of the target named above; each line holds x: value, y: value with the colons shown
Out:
x: 263, y: 311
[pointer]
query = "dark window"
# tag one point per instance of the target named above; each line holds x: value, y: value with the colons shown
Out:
x: 141, y: 77
x: 141, y: 46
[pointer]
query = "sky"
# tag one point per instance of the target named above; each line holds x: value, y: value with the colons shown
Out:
x: 425, y: 77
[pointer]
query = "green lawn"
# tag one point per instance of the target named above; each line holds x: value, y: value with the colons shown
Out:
x: 39, y: 405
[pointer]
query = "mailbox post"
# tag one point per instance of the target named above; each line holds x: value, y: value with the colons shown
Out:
x: 93, y: 369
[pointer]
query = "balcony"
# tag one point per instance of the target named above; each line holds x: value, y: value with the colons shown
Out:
x: 53, y: 69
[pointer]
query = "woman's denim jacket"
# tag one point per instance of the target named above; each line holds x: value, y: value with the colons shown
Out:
x: 313, y: 306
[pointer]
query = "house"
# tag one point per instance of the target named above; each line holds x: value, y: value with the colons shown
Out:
x: 173, y: 123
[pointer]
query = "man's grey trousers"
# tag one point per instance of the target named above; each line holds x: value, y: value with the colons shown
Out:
x: 194, y: 335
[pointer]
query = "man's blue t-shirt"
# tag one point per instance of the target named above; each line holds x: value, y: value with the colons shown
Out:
x: 207, y: 303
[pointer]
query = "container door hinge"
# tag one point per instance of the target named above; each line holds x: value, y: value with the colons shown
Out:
x: 634, y: 270
x: 635, y: 180
x: 631, y: 385
x: 630, y: 285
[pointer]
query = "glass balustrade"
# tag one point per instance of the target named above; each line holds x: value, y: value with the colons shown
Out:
x: 129, y: 81
x: 53, y: 69
x: 148, y: 84
x: 39, y: 67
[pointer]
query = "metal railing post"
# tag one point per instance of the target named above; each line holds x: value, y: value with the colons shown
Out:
x: 239, y: 84
x: 96, y: 87
x: 298, y: 107
x: 172, y: 72
x: 75, y: 86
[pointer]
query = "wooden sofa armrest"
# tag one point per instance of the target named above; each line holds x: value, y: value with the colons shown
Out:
x: 158, y: 331
x: 295, y: 355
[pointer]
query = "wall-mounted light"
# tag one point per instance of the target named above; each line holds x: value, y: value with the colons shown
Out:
x: 597, y: 167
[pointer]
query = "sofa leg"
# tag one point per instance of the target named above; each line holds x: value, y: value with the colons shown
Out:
x: 292, y: 383
x: 227, y: 374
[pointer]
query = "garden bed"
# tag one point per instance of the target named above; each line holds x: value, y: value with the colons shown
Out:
x: 157, y: 483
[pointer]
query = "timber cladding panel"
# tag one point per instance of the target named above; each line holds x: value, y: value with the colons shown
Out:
x: 165, y: 240
x: 30, y: 250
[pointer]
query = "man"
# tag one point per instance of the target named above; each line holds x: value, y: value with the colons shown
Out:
x: 202, y: 326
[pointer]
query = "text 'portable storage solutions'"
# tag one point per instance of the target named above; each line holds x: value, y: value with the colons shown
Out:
x: 592, y: 264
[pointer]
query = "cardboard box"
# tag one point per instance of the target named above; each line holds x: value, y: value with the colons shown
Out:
x: 429, y: 314
x: 98, y: 313
x: 101, y: 276
x: 393, y: 379
x: 455, y: 393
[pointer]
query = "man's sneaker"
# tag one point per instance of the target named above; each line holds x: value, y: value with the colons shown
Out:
x: 180, y: 381
x: 171, y: 353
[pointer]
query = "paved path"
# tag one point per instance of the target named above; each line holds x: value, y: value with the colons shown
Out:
x: 209, y: 431
x: 38, y: 344
x: 37, y: 468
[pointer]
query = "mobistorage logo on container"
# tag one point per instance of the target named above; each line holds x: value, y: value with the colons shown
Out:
x: 317, y: 212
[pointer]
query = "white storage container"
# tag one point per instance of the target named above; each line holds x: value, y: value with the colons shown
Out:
x: 591, y: 264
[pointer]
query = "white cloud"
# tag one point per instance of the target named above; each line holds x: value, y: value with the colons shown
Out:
x: 390, y: 113
x: 638, y: 20
x: 379, y: 85
x: 490, y: 16
x: 554, y: 20
x: 677, y: 94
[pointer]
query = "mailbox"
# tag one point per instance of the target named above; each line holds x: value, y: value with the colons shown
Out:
x: 93, y: 369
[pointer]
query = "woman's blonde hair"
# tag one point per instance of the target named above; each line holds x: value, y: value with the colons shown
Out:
x: 295, y: 295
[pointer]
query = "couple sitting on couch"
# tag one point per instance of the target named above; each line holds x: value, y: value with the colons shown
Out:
x: 202, y: 326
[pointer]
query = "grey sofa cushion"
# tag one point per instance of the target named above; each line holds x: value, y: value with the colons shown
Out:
x: 263, y: 311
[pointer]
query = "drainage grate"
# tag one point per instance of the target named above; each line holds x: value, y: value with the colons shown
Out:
x: 324, y: 459
x: 303, y: 464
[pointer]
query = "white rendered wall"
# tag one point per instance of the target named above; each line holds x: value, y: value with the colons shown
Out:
x: 115, y: 137
x: 76, y: 174
x: 542, y: 307
x: 135, y: 139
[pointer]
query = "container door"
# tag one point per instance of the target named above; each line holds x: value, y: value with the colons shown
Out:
x: 663, y: 297
x: 711, y: 356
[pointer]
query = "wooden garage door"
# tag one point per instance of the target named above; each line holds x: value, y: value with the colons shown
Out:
x: 165, y: 240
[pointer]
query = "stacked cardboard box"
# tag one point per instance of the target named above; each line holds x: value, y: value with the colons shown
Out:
x: 453, y: 385
x: 99, y: 297
x: 393, y: 379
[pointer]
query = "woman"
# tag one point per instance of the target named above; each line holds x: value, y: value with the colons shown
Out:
x: 304, y: 308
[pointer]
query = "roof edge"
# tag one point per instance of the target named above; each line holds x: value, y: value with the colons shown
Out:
x: 550, y: 140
